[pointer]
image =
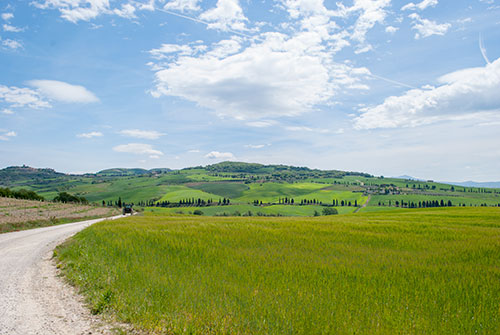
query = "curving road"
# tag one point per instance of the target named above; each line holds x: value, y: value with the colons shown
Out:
x: 33, y: 300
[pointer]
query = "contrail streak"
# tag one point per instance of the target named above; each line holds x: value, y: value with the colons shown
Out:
x: 483, y: 49
x: 393, y: 81
x: 201, y: 21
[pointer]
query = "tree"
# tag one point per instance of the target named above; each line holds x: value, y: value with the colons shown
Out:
x: 330, y: 211
x: 119, y: 202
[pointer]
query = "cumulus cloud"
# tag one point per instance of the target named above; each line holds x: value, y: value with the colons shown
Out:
x: 227, y: 15
x: 61, y: 91
x: 22, y: 97
x: 144, y: 134
x: 391, y: 29
x: 461, y: 95
x: 86, y: 10
x: 278, y: 76
x: 76, y: 10
x: 426, y: 28
x: 126, y: 11
x: 421, y: 5
x: 90, y: 135
x: 7, y: 16
x: 183, y: 5
x: 5, y: 136
x: 11, y: 44
x: 219, y: 155
x: 138, y: 149
x: 6, y: 111
x: 12, y: 29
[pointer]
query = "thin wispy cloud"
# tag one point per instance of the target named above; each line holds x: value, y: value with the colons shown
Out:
x: 64, y: 92
x: 138, y: 149
x: 426, y: 28
x: 6, y: 136
x: 91, y: 134
x: 220, y: 155
x: 144, y: 134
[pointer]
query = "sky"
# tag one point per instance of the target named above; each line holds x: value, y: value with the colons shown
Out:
x: 385, y: 87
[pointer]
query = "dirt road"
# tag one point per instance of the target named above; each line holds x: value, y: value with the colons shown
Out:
x: 33, y: 300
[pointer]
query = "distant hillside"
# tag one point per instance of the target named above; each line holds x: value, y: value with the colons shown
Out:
x: 130, y: 172
x: 15, y: 174
x: 247, y: 184
x: 255, y: 168
x: 121, y: 172
x: 476, y: 184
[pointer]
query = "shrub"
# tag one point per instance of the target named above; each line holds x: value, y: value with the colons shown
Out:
x: 329, y: 211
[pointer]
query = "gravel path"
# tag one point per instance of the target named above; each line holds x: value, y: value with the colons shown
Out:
x: 33, y: 299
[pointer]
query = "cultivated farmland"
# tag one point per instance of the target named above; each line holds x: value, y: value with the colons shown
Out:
x: 427, y: 271
x: 18, y: 214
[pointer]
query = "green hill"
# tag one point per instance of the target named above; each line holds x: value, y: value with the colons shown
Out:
x: 246, y: 184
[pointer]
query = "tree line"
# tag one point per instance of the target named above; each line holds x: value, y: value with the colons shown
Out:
x: 20, y: 194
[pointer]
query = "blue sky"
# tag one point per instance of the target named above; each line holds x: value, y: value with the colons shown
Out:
x: 379, y: 86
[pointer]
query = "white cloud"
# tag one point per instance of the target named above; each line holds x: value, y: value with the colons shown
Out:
x: 219, y: 155
x: 6, y: 111
x: 227, y: 15
x: 138, y: 149
x: 426, y: 27
x: 166, y: 50
x: 183, y: 5
x: 421, y: 5
x: 22, y: 97
x: 261, y: 124
x: 127, y: 11
x: 145, y: 134
x: 76, y: 10
x: 7, y: 16
x: 307, y: 129
x: 6, y: 135
x: 61, y: 91
x: 371, y: 13
x: 462, y: 95
x: 194, y: 151
x: 90, y: 135
x: 12, y: 29
x: 11, y: 44
x: 256, y: 146
x: 391, y: 29
x: 86, y: 10
x: 278, y: 76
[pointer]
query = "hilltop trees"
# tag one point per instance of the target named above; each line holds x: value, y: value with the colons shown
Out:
x: 66, y: 197
x: 20, y: 194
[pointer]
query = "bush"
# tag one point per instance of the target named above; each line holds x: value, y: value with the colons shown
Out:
x: 66, y: 197
x: 329, y: 211
x: 197, y: 212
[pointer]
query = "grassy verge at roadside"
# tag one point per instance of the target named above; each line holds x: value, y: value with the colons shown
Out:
x: 431, y: 271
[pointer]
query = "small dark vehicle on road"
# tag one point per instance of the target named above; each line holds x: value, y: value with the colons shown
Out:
x: 127, y: 209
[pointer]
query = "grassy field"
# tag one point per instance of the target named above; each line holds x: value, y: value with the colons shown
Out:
x: 431, y: 271
x: 234, y: 210
x: 16, y: 214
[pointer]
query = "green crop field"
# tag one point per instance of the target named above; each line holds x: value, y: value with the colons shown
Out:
x: 426, y: 271
x: 238, y: 210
